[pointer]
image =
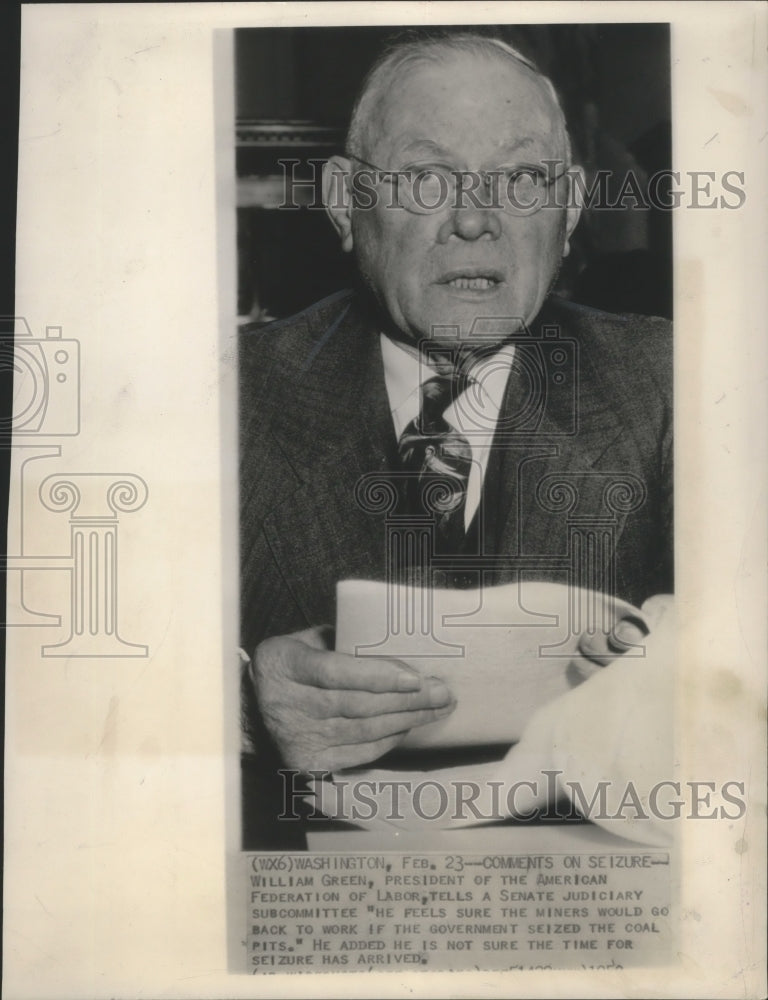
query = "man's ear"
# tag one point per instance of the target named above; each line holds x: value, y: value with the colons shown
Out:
x: 337, y: 197
x: 576, y: 186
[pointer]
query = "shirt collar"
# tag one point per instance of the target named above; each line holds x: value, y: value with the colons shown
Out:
x: 404, y: 373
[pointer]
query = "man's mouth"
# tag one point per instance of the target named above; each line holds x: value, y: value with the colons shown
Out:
x: 474, y: 283
x: 472, y: 280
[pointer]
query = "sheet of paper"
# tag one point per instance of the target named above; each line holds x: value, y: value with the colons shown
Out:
x: 618, y: 722
x: 515, y: 640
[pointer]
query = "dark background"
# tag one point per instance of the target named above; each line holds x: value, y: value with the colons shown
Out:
x: 10, y: 39
x: 294, y: 94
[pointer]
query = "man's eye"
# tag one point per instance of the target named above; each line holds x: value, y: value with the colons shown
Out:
x: 526, y: 175
x: 428, y: 174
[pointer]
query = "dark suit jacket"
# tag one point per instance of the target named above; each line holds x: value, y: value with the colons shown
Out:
x: 584, y: 444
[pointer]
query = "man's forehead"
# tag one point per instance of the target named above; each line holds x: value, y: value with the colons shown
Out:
x: 506, y: 145
x: 431, y: 102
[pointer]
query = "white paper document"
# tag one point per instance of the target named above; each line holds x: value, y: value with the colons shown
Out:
x: 601, y: 744
x: 502, y: 651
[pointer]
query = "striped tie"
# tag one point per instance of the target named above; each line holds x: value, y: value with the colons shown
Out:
x: 438, y: 457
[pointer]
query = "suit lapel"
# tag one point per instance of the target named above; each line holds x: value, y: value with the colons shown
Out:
x: 339, y: 429
x: 552, y: 458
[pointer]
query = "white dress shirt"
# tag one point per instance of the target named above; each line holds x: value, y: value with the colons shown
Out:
x: 474, y: 413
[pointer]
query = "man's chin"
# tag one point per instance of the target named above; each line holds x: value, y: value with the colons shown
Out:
x: 478, y: 331
x: 461, y: 319
x: 452, y: 323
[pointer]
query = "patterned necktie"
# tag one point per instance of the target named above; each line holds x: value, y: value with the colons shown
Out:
x: 439, y: 459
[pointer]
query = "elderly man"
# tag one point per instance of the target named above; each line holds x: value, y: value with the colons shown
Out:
x: 457, y: 198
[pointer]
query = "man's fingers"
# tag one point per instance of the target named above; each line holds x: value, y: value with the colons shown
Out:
x: 598, y: 649
x: 627, y: 632
x: 314, y: 701
x: 656, y: 607
x: 319, y: 637
x: 365, y: 705
x: 336, y: 671
x: 583, y: 668
x: 356, y: 731
x: 601, y: 647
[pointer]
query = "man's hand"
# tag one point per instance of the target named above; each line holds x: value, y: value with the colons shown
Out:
x: 327, y: 710
x: 598, y: 650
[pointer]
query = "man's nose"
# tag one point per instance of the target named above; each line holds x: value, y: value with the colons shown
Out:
x: 470, y: 221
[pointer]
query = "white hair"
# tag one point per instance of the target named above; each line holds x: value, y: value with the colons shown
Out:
x: 383, y: 73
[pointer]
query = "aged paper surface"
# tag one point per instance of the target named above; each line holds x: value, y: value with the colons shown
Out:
x: 122, y: 760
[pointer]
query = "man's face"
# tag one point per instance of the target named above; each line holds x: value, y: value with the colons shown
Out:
x: 462, y: 264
